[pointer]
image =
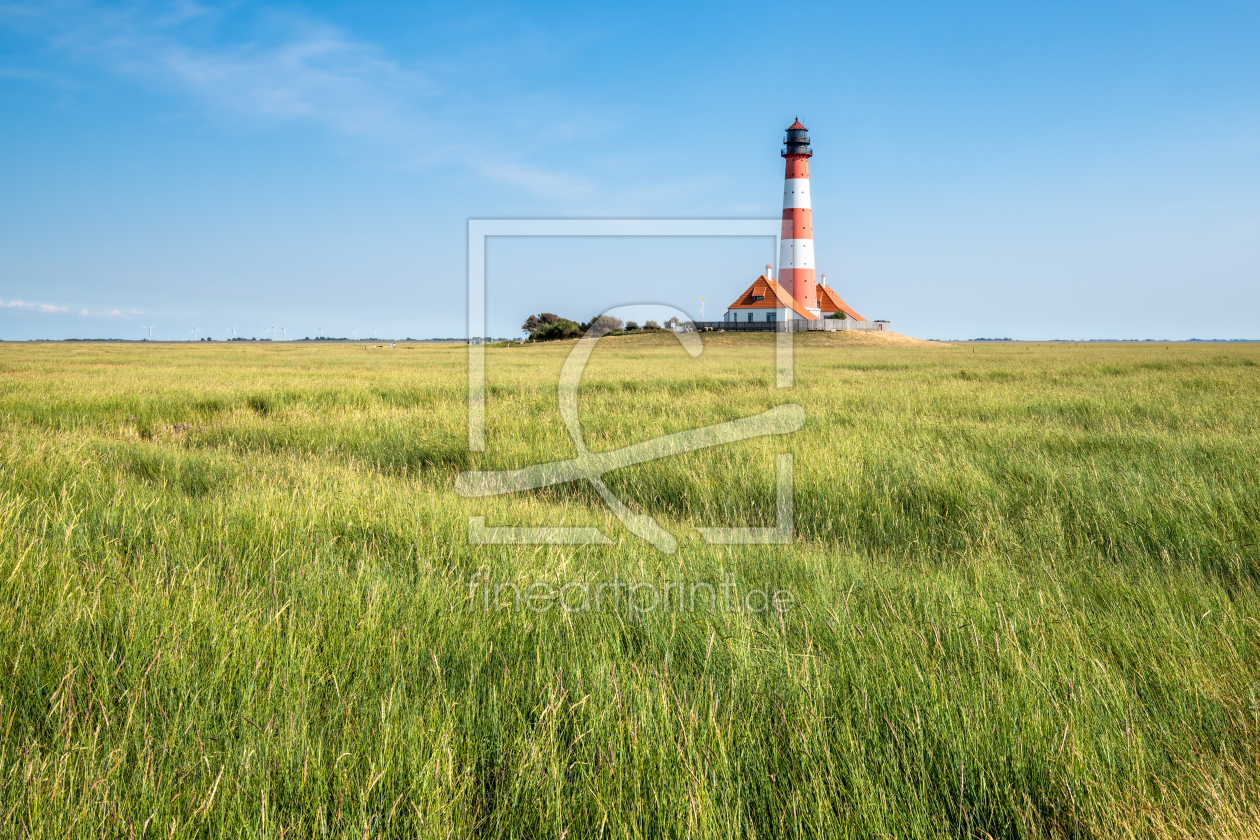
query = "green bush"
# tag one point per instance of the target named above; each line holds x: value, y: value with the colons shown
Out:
x: 535, y: 322
x: 563, y: 328
x: 606, y: 323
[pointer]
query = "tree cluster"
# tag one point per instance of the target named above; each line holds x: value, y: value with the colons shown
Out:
x: 548, y: 326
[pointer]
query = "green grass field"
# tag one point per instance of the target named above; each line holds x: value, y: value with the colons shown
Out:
x: 235, y: 595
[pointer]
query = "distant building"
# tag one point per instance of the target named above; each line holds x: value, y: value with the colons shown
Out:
x: 766, y: 298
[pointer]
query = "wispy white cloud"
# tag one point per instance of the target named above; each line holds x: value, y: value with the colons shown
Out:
x: 53, y: 309
x: 542, y: 182
x: 37, y: 307
x: 292, y: 68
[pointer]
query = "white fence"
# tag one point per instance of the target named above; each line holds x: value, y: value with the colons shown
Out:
x: 792, y: 325
x: 830, y: 325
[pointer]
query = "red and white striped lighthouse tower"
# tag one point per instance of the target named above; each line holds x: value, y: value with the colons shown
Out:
x: 796, y: 245
x: 795, y: 295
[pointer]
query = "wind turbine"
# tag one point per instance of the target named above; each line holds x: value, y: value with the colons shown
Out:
x: 234, y: 331
x: 285, y: 333
x: 194, y: 332
x: 355, y: 330
x: 374, y: 333
x: 321, y: 332
x: 150, y: 329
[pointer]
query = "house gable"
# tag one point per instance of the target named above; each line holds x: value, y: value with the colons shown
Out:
x: 766, y: 293
x: 829, y: 302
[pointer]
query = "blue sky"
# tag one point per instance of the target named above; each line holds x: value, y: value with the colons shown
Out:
x: 1068, y: 170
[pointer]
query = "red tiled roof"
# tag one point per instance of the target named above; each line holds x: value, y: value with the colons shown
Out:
x: 829, y: 301
x: 796, y: 126
x: 773, y: 296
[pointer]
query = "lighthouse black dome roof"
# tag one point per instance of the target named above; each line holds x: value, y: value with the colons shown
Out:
x: 796, y: 142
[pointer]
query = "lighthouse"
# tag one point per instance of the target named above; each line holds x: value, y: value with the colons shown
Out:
x: 796, y: 244
x: 795, y: 295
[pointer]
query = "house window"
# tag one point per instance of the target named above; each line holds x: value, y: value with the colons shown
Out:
x: 770, y: 316
x: 750, y: 316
